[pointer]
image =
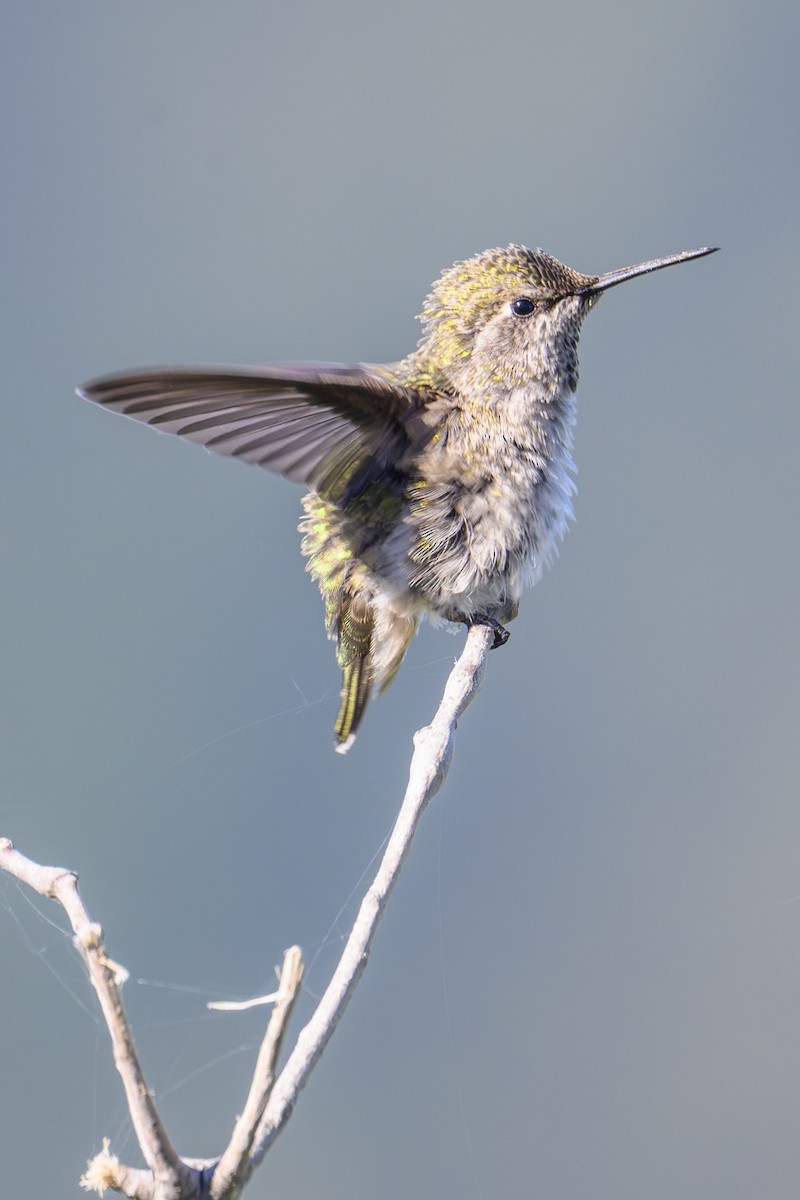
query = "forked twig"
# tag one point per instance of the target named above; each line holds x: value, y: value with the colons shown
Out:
x: 270, y: 1101
x: 235, y: 1165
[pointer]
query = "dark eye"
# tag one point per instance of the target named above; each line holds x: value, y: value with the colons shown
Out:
x: 522, y: 307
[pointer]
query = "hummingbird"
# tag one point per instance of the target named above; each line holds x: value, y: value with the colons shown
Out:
x: 439, y: 485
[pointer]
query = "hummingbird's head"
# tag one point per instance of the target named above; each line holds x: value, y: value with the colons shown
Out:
x: 512, y: 312
x: 512, y: 316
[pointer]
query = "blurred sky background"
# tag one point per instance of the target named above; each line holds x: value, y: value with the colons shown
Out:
x: 588, y: 981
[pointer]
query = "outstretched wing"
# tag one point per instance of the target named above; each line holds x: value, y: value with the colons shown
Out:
x: 329, y: 426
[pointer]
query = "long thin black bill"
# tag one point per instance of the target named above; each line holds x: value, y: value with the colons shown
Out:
x: 612, y: 278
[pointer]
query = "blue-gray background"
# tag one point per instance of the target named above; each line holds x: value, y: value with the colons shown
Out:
x: 588, y: 982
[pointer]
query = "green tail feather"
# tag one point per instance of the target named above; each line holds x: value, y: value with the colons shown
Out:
x: 356, y: 688
x: 354, y: 652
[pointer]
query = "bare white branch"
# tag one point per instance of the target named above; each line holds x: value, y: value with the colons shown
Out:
x: 242, y: 1005
x: 235, y: 1165
x: 56, y: 883
x: 430, y: 763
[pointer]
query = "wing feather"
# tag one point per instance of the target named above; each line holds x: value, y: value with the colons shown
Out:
x: 329, y: 426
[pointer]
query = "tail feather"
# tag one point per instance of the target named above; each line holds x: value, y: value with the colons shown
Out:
x: 356, y: 689
x: 371, y: 628
x: 354, y: 651
x: 393, y: 634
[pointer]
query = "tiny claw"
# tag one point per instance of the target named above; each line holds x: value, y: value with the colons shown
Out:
x: 501, y: 634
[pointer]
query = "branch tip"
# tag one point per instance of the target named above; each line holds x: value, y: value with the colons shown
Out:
x: 102, y: 1171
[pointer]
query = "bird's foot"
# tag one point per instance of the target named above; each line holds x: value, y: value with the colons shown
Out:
x: 501, y: 634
